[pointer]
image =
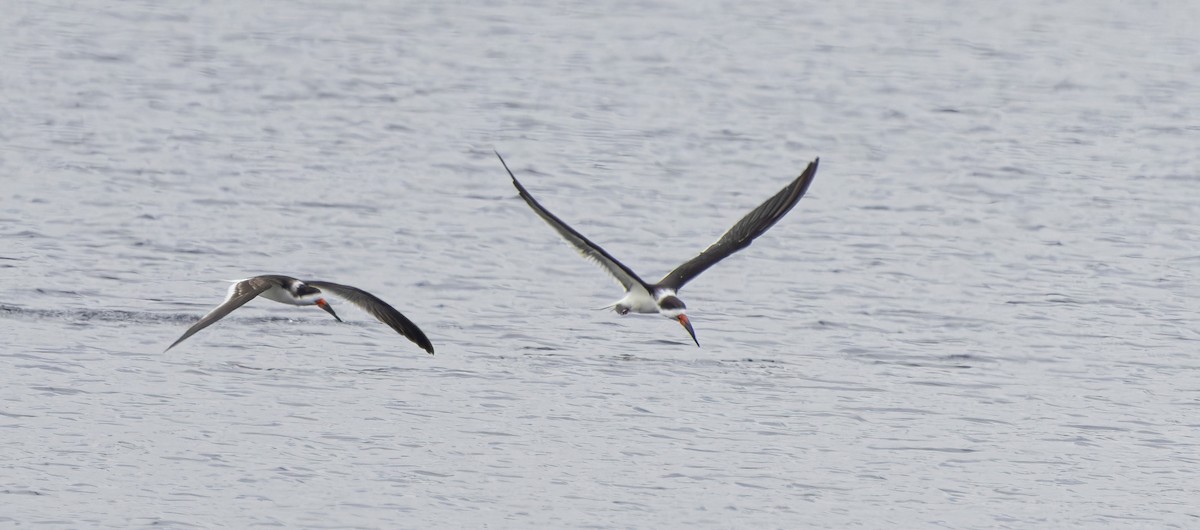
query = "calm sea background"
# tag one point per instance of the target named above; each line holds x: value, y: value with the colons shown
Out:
x: 982, y: 315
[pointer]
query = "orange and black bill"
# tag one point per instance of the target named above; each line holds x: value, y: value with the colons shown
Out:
x: 687, y: 324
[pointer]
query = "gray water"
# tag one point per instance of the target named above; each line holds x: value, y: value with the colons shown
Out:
x: 982, y: 315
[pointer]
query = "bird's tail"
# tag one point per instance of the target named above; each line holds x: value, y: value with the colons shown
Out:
x: 615, y: 306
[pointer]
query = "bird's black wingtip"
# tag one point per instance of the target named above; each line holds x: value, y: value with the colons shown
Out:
x: 516, y: 183
x: 420, y: 340
x: 805, y: 179
x: 505, y: 164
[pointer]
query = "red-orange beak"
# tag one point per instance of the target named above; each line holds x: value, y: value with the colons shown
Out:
x: 321, y: 303
x: 687, y: 324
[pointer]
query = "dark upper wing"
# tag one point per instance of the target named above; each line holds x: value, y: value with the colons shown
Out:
x: 379, y: 309
x: 744, y: 232
x: 239, y: 293
x: 589, y: 250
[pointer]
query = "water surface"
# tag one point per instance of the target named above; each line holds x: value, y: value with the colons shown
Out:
x: 982, y: 314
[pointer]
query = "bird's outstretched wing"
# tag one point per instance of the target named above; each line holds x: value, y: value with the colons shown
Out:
x: 378, y: 309
x: 592, y: 251
x: 239, y: 293
x: 754, y: 224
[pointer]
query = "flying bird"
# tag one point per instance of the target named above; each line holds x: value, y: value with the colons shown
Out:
x: 642, y: 297
x: 288, y: 290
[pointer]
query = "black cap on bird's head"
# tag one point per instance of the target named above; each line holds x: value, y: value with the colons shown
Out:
x: 300, y: 289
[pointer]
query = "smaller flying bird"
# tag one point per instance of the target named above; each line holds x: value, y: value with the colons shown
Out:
x: 642, y: 297
x: 288, y: 290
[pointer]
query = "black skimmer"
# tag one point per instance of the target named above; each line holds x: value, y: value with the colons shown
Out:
x: 288, y: 290
x: 642, y: 297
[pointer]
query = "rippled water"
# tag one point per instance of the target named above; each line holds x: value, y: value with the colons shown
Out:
x: 982, y: 315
